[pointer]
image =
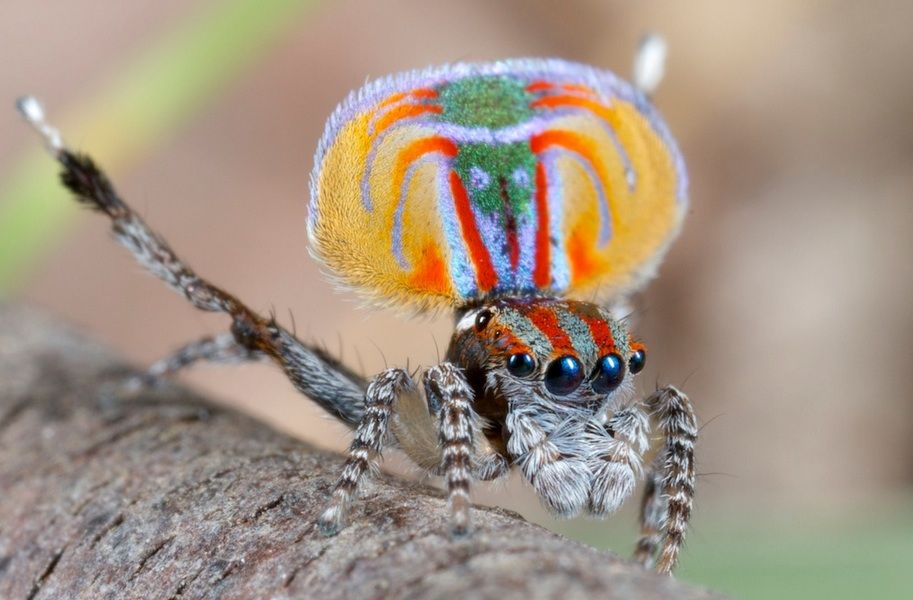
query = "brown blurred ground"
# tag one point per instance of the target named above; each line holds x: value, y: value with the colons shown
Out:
x: 784, y: 309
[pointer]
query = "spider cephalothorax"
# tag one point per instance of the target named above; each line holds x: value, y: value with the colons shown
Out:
x: 501, y: 191
x: 565, y: 367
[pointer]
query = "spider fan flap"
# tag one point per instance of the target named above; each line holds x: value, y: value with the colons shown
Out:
x: 451, y: 185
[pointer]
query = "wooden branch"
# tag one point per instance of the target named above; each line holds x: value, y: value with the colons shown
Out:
x: 165, y: 495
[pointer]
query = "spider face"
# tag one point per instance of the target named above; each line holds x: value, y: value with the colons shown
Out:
x: 569, y: 357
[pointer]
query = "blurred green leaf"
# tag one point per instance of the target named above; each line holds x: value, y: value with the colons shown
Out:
x: 796, y: 554
x: 144, y: 104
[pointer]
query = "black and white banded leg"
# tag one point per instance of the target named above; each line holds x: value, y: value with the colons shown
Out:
x: 371, y: 436
x: 217, y: 349
x: 446, y: 387
x: 615, y: 459
x: 317, y: 375
x: 670, y: 485
x: 653, y: 509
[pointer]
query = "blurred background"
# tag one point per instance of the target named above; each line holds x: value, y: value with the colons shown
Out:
x: 784, y: 309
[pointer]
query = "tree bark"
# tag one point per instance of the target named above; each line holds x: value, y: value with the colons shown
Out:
x: 165, y: 495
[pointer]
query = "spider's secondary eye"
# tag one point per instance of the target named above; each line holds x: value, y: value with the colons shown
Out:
x: 482, y: 319
x: 521, y: 364
x: 609, y: 373
x: 637, y: 361
x: 563, y: 375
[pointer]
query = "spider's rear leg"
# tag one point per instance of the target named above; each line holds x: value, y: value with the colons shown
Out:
x: 668, y: 498
x: 216, y: 349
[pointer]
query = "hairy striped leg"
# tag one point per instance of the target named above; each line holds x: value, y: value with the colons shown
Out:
x: 652, y: 516
x: 364, y: 452
x: 615, y: 459
x: 670, y: 486
x: 317, y: 375
x: 446, y: 387
x: 217, y: 349
x: 561, y: 482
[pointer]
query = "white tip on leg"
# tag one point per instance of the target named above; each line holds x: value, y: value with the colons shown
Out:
x: 31, y: 109
x: 650, y: 63
x: 33, y: 112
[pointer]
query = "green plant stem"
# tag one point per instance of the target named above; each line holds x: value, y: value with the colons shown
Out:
x: 150, y: 99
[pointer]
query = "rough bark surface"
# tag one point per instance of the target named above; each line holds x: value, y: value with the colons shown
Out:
x: 164, y: 495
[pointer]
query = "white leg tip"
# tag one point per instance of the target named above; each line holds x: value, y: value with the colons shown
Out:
x: 650, y: 63
x: 33, y: 112
x: 30, y: 108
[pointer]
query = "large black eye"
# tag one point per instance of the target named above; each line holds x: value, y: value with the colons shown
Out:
x: 482, y: 319
x: 563, y: 375
x: 609, y: 373
x: 521, y: 364
x: 637, y: 361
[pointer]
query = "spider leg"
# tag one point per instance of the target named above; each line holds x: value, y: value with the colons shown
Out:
x: 317, y: 375
x: 666, y: 507
x: 219, y: 349
x: 416, y: 423
x: 445, y: 386
x: 653, y: 510
x: 561, y: 480
x: 364, y: 452
x: 615, y: 459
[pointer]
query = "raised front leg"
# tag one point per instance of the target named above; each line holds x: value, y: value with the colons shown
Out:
x: 668, y: 497
x: 322, y: 378
x: 364, y: 451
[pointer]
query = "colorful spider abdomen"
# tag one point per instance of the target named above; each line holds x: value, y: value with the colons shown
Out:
x: 522, y: 177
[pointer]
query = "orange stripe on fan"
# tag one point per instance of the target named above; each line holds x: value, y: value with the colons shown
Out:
x: 542, y: 276
x: 403, y: 112
x: 574, y: 142
x: 486, y: 278
x: 583, y: 265
x: 392, y: 99
x: 602, y: 111
x: 577, y: 87
x: 424, y: 93
x: 538, y: 86
x: 413, y: 152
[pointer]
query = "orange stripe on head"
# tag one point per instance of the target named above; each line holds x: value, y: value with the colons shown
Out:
x: 486, y: 278
x: 542, y: 276
x: 545, y: 319
x: 404, y: 111
x: 599, y: 329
